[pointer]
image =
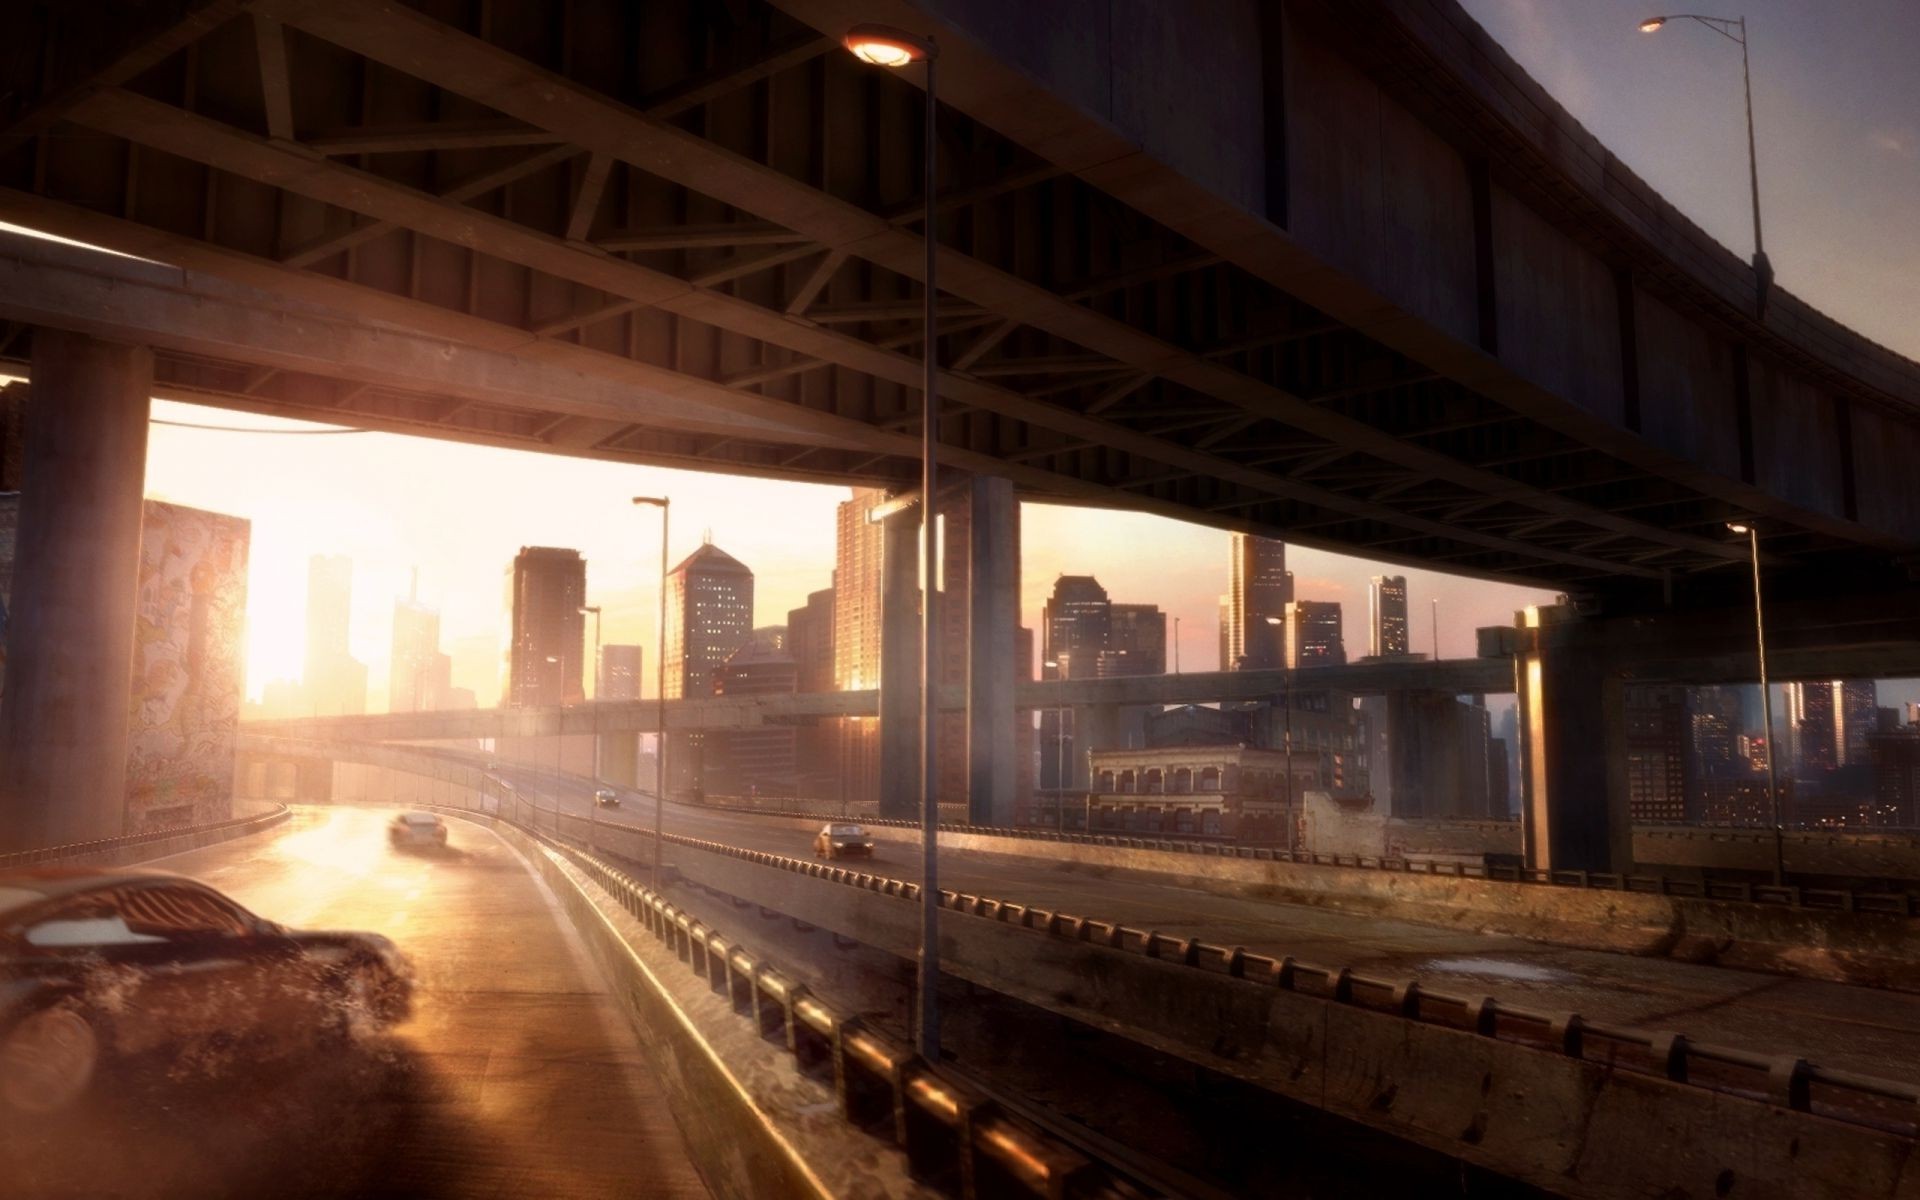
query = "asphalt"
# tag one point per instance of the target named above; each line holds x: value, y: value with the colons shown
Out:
x: 514, y: 1077
x: 1835, y: 1025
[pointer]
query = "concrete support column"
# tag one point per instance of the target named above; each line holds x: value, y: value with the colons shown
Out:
x: 993, y: 611
x: 900, y: 665
x: 620, y: 759
x: 1095, y: 727
x: 63, y: 722
x: 1573, y: 807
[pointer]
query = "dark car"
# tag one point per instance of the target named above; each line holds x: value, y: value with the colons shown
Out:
x: 606, y: 797
x: 104, y: 964
x: 842, y: 839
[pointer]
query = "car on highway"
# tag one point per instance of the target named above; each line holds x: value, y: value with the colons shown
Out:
x: 417, y: 829
x: 606, y: 797
x: 842, y: 839
x: 106, y: 965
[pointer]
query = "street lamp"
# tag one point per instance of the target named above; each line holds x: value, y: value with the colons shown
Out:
x: 1734, y: 29
x: 559, y: 735
x: 593, y: 610
x: 1059, y: 757
x: 662, y: 503
x: 1752, y: 535
x: 886, y: 46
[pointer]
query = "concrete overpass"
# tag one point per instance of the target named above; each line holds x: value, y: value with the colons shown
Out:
x: 1365, y: 286
x: 1452, y: 676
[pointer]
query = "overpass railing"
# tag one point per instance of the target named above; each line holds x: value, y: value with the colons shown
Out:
x: 1788, y: 1081
x: 153, y: 842
x: 1905, y: 904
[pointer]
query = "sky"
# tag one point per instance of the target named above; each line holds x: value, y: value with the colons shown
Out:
x: 1837, y: 105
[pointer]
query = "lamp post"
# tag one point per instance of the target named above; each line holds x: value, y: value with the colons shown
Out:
x: 885, y: 46
x: 1059, y: 757
x: 1752, y: 534
x: 593, y: 610
x: 662, y: 503
x: 559, y: 735
x: 1734, y: 29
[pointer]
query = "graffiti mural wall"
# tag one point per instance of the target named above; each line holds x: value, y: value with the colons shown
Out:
x: 188, y: 666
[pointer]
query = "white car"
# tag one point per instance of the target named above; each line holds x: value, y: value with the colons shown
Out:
x: 417, y: 829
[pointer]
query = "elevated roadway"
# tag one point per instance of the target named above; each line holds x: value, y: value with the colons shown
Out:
x: 1365, y: 286
x: 1451, y: 676
x: 1837, y: 1025
x: 516, y: 1074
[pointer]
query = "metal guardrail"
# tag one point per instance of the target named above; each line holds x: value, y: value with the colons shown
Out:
x: 1903, y: 904
x: 238, y: 826
x: 950, y: 1132
x: 1785, y: 1080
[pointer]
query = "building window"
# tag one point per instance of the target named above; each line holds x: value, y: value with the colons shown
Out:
x: 1155, y: 781
x: 1183, y: 779
x: 1209, y: 779
x: 1106, y: 781
x: 1126, y: 781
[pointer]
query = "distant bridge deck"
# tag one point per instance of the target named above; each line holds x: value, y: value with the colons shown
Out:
x: 1452, y: 676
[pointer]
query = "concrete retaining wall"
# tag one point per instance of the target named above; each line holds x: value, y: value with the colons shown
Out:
x: 1860, y: 855
x: 119, y: 852
x: 1566, y: 1124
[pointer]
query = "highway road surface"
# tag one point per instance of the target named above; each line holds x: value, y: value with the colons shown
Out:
x: 1834, y: 1025
x: 515, y: 1076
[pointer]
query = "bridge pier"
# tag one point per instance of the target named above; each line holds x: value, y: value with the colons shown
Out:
x: 619, y: 759
x: 64, y: 719
x: 993, y: 612
x: 900, y: 665
x: 1573, y: 791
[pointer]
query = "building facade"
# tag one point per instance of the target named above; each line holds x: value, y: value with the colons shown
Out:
x: 709, y: 619
x: 335, y: 682
x: 757, y: 761
x: 620, y: 672
x: 420, y: 677
x: 1387, y: 616
x: 546, y: 585
x: 1231, y: 791
x: 1313, y: 635
x: 1259, y: 587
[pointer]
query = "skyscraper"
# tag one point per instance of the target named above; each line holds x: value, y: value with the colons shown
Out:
x: 1657, y: 735
x: 810, y: 642
x: 858, y: 543
x: 420, y: 677
x: 546, y: 586
x: 335, y: 681
x: 1258, y: 586
x: 1387, y: 616
x: 709, y: 618
x: 1313, y: 635
x: 1855, y: 705
x: 760, y: 759
x: 620, y: 676
x: 1076, y: 624
x: 1136, y: 641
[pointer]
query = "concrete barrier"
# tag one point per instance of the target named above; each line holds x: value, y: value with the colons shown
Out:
x: 1557, y: 1119
x: 145, y: 847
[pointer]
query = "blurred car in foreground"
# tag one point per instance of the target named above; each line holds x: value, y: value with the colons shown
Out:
x: 103, y: 964
x: 417, y: 829
x: 840, y: 839
x: 606, y: 798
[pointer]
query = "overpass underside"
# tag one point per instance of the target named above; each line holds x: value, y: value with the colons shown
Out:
x: 703, y: 219
x: 1365, y: 286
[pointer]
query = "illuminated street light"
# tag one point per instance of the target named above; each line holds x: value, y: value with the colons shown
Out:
x: 1766, y: 700
x: 885, y: 46
x: 662, y: 503
x: 1734, y: 29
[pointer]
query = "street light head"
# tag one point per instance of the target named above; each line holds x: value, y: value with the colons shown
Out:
x: 589, y: 610
x: 656, y: 501
x: 1050, y: 663
x: 1651, y: 24
x: 1737, y: 527
x: 1275, y: 621
x: 886, y: 46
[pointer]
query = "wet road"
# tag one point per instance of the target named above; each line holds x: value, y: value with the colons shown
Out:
x: 1835, y: 1025
x: 515, y: 1076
